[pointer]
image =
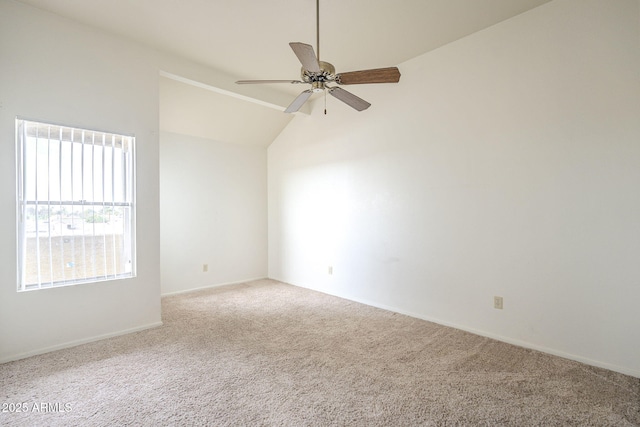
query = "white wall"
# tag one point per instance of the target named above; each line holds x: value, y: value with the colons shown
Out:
x: 506, y: 163
x: 54, y: 70
x: 213, y: 204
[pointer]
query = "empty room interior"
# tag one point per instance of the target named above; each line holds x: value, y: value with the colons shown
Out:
x: 434, y: 219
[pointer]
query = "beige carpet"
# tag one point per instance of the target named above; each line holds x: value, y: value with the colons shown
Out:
x: 266, y: 353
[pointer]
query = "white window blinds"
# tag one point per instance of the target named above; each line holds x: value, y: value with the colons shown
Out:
x: 75, y: 205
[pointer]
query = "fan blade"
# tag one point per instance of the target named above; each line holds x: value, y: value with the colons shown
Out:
x: 306, y: 55
x: 379, y: 75
x: 349, y: 98
x: 297, y: 103
x: 256, y: 82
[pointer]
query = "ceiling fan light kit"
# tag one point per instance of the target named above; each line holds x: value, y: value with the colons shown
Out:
x: 319, y: 74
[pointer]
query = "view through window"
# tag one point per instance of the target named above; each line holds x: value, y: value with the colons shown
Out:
x: 75, y: 205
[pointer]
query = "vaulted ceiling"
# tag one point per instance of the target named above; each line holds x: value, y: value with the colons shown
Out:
x: 248, y: 39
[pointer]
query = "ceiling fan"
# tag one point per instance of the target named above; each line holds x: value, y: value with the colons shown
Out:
x: 320, y: 74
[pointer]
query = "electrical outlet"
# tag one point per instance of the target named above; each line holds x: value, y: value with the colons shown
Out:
x: 497, y: 303
x: 330, y: 270
x: 205, y: 268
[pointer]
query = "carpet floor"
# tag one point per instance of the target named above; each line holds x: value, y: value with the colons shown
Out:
x: 269, y: 354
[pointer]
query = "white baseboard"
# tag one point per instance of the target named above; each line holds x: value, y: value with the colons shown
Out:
x: 524, y: 344
x: 217, y: 285
x: 75, y: 343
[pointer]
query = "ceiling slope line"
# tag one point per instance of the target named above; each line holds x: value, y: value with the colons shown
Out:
x: 215, y: 89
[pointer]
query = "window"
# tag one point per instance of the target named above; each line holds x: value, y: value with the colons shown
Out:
x: 76, y: 217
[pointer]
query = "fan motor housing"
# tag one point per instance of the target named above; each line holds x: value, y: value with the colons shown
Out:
x: 318, y: 80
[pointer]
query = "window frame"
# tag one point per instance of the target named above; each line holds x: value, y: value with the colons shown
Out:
x: 128, y: 204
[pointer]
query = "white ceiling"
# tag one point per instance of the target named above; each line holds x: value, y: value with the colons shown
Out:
x: 248, y: 39
x: 189, y: 110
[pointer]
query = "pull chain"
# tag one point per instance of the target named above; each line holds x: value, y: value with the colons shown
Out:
x: 325, y: 102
